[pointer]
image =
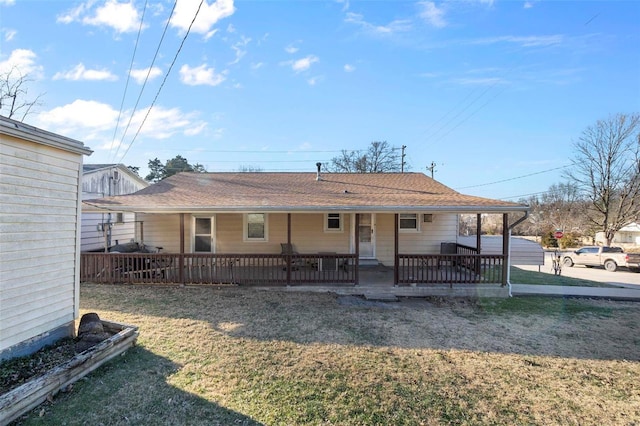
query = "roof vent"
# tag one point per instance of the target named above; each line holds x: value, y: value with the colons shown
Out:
x: 318, y: 177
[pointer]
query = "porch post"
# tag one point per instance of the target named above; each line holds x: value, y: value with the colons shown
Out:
x: 478, y: 231
x: 478, y: 241
x: 181, y: 258
x: 288, y: 258
x: 357, y: 237
x: 396, y: 245
x: 505, y: 247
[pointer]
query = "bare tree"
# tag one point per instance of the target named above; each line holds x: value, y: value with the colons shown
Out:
x: 606, y: 169
x: 14, y: 95
x: 380, y: 157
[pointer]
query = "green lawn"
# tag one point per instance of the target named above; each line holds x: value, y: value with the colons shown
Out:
x: 231, y: 356
x: 521, y: 276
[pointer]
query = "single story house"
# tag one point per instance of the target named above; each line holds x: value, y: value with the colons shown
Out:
x: 627, y: 236
x: 103, y: 230
x: 292, y: 228
x: 40, y: 206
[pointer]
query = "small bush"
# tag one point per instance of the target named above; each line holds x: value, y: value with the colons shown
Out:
x: 569, y: 239
x: 548, y: 240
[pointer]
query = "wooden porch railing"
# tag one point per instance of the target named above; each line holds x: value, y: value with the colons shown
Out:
x: 450, y: 269
x: 242, y: 269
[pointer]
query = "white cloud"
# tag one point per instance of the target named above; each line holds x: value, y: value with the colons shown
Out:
x: 23, y: 61
x: 7, y: 2
x: 524, y: 41
x: 79, y: 72
x: 345, y: 4
x: 432, y: 14
x: 122, y: 17
x: 315, y: 80
x: 240, y: 50
x: 528, y: 5
x: 9, y: 34
x: 398, y: 25
x: 208, y: 15
x: 291, y: 49
x: 349, y: 68
x: 480, y: 81
x: 304, y: 64
x: 91, y: 121
x: 140, y: 75
x: 231, y: 28
x: 257, y: 65
x: 80, y: 116
x: 201, y: 76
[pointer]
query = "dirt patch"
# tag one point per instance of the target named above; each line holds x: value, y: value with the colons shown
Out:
x: 20, y: 370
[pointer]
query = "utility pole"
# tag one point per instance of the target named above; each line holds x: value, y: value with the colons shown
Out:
x: 432, y: 168
x: 402, y: 163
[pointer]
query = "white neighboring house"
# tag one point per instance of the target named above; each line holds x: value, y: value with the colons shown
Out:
x: 627, y: 236
x: 108, y: 229
x: 40, y: 207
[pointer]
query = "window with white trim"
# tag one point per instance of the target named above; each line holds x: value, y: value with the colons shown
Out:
x: 202, y: 235
x: 255, y: 227
x: 332, y: 222
x: 408, y: 222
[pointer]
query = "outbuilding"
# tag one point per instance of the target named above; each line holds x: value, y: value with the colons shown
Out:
x: 40, y: 207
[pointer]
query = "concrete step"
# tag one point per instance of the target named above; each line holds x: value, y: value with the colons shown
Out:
x: 368, y: 262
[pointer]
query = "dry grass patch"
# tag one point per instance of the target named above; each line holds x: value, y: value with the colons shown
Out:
x: 238, y: 356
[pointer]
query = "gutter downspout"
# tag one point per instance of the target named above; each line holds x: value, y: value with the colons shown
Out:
x: 513, y: 225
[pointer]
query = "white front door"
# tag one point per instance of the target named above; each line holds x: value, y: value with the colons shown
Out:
x: 367, y: 236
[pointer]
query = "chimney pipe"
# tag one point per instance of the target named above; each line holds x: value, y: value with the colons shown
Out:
x: 318, y: 177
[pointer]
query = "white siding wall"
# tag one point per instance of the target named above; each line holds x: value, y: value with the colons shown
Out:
x: 38, y: 249
x: 523, y: 251
x: 97, y: 184
x: 92, y: 239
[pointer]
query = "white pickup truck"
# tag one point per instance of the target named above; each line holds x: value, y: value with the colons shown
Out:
x: 610, y: 257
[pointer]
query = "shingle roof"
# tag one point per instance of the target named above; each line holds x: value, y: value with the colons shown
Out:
x: 193, y: 192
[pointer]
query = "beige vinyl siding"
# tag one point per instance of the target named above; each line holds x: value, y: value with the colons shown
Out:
x: 229, y: 234
x: 39, y: 210
x: 308, y: 235
x: 163, y: 230
x: 443, y: 228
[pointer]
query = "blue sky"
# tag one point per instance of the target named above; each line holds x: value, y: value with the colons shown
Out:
x: 493, y: 92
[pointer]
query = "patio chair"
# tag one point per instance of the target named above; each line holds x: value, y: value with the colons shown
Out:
x: 288, y: 250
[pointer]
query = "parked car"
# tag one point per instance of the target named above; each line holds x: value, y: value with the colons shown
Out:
x: 610, y: 257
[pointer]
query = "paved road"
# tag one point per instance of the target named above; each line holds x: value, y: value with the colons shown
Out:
x: 621, y: 277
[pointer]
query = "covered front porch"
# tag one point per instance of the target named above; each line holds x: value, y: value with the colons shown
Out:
x: 454, y: 264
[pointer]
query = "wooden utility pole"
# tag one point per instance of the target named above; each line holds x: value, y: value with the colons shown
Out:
x: 402, y: 163
x: 432, y: 168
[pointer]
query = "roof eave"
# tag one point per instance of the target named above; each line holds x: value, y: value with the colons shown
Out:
x: 307, y: 209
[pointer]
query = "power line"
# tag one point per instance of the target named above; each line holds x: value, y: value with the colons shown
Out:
x: 235, y: 151
x: 164, y: 32
x: 126, y: 86
x: 514, y: 178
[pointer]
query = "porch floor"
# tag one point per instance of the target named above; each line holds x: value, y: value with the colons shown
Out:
x: 376, y: 282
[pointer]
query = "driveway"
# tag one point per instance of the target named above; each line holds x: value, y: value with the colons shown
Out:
x: 621, y: 277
